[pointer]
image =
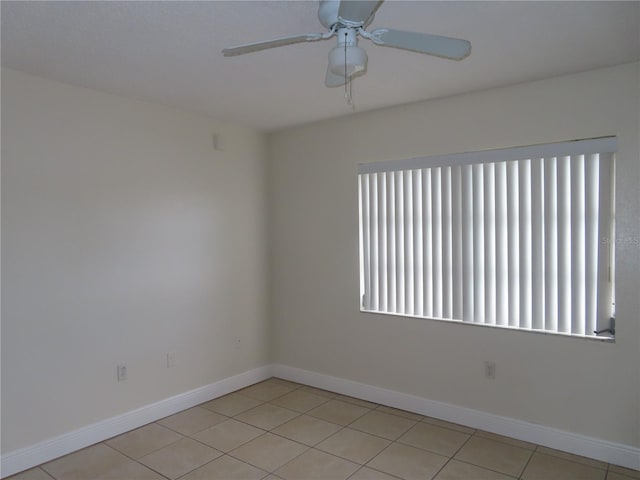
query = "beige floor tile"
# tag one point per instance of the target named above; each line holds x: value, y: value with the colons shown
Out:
x: 33, y: 474
x: 300, y: 401
x: 226, y: 468
x: 366, y: 473
x: 624, y: 471
x: 610, y: 476
x: 356, y: 446
x: 266, y: 416
x: 232, y: 404
x: 228, y: 435
x: 307, y: 430
x: 574, y: 458
x: 408, y: 462
x: 315, y: 465
x: 435, y: 439
x: 383, y: 424
x: 347, y: 433
x: 507, y: 440
x: 128, y: 470
x: 286, y: 383
x: 192, y: 420
x: 338, y: 412
x: 99, y: 462
x: 266, y: 391
x: 268, y: 452
x: 455, y: 470
x: 452, y: 426
x: 94, y: 460
x: 318, y: 391
x: 548, y: 467
x: 400, y: 413
x: 501, y: 457
x: 180, y: 458
x: 356, y: 401
x: 142, y: 441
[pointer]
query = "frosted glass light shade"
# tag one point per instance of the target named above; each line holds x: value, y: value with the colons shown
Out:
x: 356, y: 60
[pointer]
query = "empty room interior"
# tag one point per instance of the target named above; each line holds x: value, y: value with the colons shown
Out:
x: 320, y: 240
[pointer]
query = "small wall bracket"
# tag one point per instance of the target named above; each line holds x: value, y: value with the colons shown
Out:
x: 611, y: 329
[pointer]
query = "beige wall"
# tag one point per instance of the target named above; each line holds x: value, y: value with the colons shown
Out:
x: 581, y: 386
x: 125, y: 235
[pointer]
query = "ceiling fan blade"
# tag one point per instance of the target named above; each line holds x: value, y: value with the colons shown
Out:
x: 358, y: 11
x: 446, y: 47
x: 279, y: 42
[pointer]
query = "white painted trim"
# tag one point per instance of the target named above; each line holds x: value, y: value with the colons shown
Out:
x: 561, y: 149
x: 28, y: 457
x: 615, y: 453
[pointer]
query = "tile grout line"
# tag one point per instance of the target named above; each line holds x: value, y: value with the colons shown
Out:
x: 139, y: 462
x: 524, y: 469
x: 452, y: 456
x: 491, y: 469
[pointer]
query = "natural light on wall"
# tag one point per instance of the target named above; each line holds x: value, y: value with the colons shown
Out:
x: 517, y: 238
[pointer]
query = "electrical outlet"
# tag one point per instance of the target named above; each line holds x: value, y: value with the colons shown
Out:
x: 121, y: 372
x: 490, y: 370
x: 171, y: 359
x: 238, y: 343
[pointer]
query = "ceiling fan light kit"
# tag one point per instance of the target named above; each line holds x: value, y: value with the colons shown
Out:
x: 347, y: 58
x: 348, y: 19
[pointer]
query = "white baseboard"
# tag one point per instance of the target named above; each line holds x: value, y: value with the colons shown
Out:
x: 615, y: 453
x: 28, y: 457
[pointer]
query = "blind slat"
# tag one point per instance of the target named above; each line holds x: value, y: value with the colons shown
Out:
x: 436, y: 205
x: 564, y: 244
x: 391, y: 242
x: 606, y: 275
x: 592, y: 198
x: 524, y: 223
x: 373, y: 241
x: 382, y: 241
x: 578, y: 267
x: 478, y: 244
x: 399, y: 230
x: 427, y: 238
x: 502, y: 263
x: 418, y: 245
x: 364, y: 232
x: 551, y: 244
x: 513, y: 246
x: 407, y: 187
x: 537, y: 245
x: 490, y: 243
x: 456, y: 233
x: 467, y: 243
x: 447, y: 255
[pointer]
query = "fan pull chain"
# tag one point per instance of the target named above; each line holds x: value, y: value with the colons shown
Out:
x: 347, y: 80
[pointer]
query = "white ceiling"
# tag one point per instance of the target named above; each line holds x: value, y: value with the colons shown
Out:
x: 169, y: 52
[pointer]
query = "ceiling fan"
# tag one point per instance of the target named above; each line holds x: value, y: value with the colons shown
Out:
x: 346, y: 20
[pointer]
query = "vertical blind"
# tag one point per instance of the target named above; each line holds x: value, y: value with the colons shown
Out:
x: 519, y: 237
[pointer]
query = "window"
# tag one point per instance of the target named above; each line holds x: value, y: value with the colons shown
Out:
x: 517, y: 238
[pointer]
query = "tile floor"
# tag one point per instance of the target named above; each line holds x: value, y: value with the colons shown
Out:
x: 282, y: 430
